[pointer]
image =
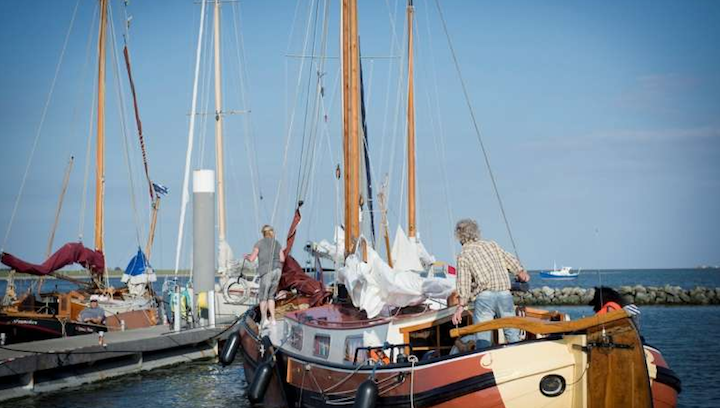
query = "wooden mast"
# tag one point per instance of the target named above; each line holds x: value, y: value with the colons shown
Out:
x: 153, y: 226
x: 100, y: 154
x: 412, y: 228
x: 219, y: 155
x: 351, y: 123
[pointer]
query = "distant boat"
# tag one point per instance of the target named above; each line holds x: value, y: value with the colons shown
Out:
x: 563, y: 273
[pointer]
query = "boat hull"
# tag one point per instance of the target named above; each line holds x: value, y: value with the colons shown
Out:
x: 501, y: 376
x: 21, y: 329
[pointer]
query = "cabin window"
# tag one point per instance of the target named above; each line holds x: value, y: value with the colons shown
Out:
x: 296, y: 337
x: 352, y: 343
x: 321, y: 346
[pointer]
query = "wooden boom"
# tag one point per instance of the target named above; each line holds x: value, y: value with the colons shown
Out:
x: 539, y: 326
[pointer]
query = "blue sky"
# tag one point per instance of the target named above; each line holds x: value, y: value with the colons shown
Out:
x: 602, y: 122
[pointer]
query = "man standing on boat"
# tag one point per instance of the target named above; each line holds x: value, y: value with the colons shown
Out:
x: 482, y: 277
x: 270, y: 256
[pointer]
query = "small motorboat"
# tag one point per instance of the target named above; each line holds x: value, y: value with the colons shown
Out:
x: 565, y: 272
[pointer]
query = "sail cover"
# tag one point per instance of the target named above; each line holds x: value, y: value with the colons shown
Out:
x: 293, y: 277
x: 139, y: 270
x: 68, y: 254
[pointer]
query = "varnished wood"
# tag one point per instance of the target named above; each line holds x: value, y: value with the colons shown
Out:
x: 100, y: 152
x: 153, y: 225
x: 412, y: 227
x: 351, y: 123
x: 617, y: 377
x: 540, y: 326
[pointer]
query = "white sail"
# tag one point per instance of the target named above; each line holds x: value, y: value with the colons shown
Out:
x: 409, y: 254
x: 374, y: 285
x: 334, y: 251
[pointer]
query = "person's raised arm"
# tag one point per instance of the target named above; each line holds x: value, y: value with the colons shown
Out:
x: 514, y: 265
x: 253, y: 255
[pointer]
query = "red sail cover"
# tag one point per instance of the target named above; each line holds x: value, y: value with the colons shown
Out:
x: 68, y: 254
x: 293, y: 277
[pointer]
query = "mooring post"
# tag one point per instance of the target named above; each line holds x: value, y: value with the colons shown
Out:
x: 204, y: 237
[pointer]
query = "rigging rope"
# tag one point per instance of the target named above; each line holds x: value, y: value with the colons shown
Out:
x: 250, y: 146
x: 299, y: 194
x: 290, y: 125
x: 40, y: 127
x: 123, y: 124
x: 477, y: 129
x: 188, y: 155
x: 86, y: 175
x: 126, y: 54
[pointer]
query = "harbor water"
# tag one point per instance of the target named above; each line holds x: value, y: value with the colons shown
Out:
x: 686, y: 335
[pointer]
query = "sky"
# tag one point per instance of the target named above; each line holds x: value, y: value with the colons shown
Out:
x: 601, y: 121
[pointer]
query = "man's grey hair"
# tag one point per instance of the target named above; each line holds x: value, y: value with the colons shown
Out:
x: 467, y: 230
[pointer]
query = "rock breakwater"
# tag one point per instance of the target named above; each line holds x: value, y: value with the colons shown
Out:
x: 641, y: 295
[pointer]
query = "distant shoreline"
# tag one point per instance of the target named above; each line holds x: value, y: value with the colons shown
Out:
x: 83, y: 274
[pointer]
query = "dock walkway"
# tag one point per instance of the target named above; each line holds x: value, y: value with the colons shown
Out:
x: 50, y: 365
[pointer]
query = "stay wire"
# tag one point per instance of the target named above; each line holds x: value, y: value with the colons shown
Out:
x: 121, y: 109
x: 40, y: 127
x: 477, y: 129
x: 303, y: 164
x: 250, y: 145
x: 86, y: 175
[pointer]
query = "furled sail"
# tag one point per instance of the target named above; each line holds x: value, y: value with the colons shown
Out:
x: 334, y: 251
x: 138, y: 274
x: 293, y: 277
x: 374, y: 285
x: 409, y: 254
x: 68, y: 254
x: 139, y: 270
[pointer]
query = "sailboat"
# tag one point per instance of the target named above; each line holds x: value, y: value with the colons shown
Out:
x: 48, y: 315
x: 365, y: 355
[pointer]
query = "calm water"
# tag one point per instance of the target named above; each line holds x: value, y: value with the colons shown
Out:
x: 687, y: 336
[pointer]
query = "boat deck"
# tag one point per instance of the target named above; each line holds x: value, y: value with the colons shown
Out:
x: 50, y: 365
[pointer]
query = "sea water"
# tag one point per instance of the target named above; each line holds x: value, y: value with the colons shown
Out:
x: 688, y: 336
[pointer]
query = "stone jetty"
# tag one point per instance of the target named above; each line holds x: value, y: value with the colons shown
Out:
x: 642, y: 295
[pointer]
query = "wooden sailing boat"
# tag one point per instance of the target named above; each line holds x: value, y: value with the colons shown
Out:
x: 56, y: 314
x: 335, y: 355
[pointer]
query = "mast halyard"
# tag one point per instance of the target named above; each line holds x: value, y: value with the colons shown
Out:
x: 219, y: 153
x: 351, y: 123
x: 100, y: 153
x: 412, y: 227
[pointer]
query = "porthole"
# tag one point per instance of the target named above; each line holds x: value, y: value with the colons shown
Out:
x: 552, y: 385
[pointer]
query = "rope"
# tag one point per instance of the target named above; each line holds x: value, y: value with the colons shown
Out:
x: 121, y: 108
x: 86, y: 175
x: 413, y: 360
x: 477, y: 129
x: 292, y: 121
x: 250, y: 146
x: 191, y: 129
x: 40, y: 127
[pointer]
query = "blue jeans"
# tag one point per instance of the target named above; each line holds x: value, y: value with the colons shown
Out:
x: 489, y: 305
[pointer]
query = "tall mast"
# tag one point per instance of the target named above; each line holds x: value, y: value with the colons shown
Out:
x: 100, y: 158
x: 411, y: 127
x: 219, y: 155
x: 351, y: 122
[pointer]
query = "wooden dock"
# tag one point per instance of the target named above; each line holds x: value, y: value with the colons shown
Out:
x: 50, y: 365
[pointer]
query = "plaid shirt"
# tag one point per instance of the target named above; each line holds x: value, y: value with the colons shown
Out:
x: 483, y: 265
